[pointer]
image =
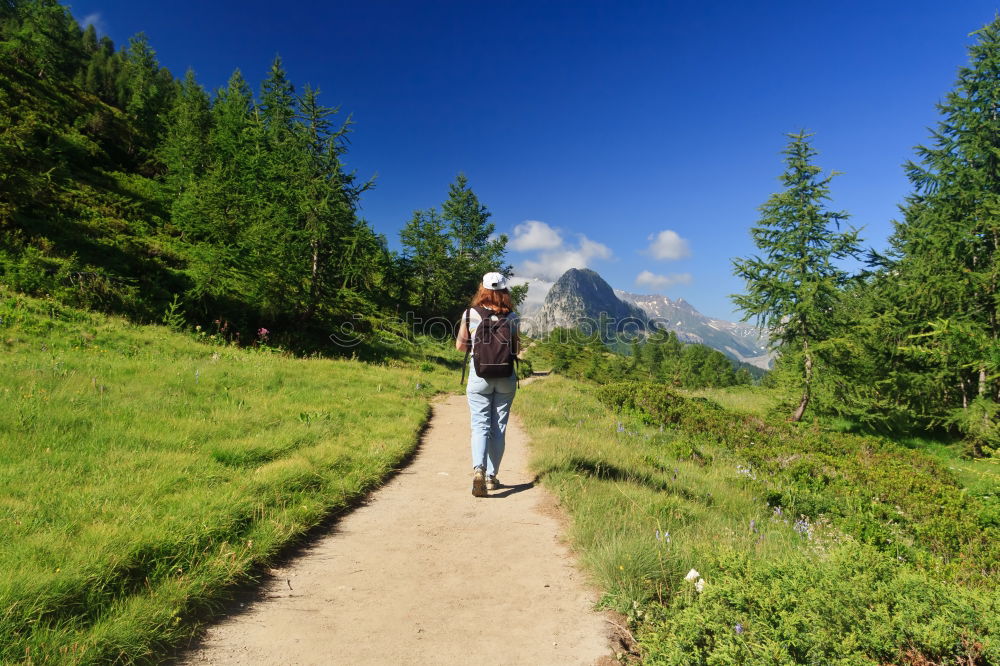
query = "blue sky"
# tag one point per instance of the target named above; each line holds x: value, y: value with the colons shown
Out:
x: 634, y: 138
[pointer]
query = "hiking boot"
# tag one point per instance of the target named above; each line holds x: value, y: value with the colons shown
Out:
x: 492, y: 482
x: 479, y: 483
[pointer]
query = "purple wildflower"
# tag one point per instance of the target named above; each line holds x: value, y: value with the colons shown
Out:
x: 738, y: 628
x: 803, y: 527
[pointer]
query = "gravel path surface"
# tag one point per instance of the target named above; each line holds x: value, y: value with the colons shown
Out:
x: 424, y: 573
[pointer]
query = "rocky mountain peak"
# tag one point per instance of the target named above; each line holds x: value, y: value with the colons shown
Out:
x: 581, y: 298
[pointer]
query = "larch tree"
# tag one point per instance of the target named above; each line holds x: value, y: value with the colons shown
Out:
x: 793, y: 285
x: 426, y: 252
x: 946, y: 251
x: 475, y: 249
x: 183, y: 150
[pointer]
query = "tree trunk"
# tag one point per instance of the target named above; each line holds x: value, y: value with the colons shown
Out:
x: 804, y: 402
x: 313, y: 284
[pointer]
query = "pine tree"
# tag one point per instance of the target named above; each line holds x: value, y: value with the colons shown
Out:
x: 147, y: 91
x: 427, y: 250
x: 41, y: 36
x: 90, y: 42
x: 791, y: 289
x: 215, y: 212
x: 946, y: 251
x: 184, y: 147
x: 474, y: 252
x: 277, y: 100
x: 343, y: 252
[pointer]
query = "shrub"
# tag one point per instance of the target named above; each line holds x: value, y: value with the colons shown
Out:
x: 853, y: 605
x: 894, y: 499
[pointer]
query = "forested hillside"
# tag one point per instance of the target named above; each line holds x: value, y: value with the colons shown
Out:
x: 658, y: 357
x: 125, y: 187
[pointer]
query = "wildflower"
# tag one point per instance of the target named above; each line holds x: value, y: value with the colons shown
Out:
x: 753, y: 525
x: 803, y: 527
x: 700, y: 585
x: 621, y: 428
x: 777, y: 511
x: 738, y: 628
x: 262, y: 332
x: 692, y: 575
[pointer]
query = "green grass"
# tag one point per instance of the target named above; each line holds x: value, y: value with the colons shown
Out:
x: 145, y: 472
x: 746, y: 399
x: 980, y: 476
x: 778, y: 588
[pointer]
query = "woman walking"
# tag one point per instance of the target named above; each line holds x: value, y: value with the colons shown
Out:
x: 489, y: 395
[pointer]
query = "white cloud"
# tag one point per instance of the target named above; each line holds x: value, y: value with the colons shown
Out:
x: 95, y: 19
x: 538, y: 289
x: 551, y: 265
x: 668, y: 245
x: 654, y: 281
x: 553, y: 254
x: 534, y: 235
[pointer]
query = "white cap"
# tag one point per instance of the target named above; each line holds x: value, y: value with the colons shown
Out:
x: 494, y: 281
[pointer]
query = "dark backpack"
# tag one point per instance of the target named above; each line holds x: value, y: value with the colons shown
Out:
x: 492, y: 345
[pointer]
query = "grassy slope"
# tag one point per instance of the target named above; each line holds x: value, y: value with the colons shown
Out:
x: 776, y: 590
x: 143, y: 471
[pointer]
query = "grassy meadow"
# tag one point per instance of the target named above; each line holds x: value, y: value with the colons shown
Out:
x: 144, y: 471
x: 810, y: 546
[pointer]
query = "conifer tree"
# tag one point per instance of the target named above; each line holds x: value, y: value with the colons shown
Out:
x: 342, y: 251
x: 184, y: 147
x: 277, y: 99
x: 427, y: 250
x: 41, y: 37
x: 792, y: 287
x: 474, y: 252
x: 945, y: 254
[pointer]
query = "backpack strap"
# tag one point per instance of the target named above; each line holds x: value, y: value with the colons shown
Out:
x: 517, y: 361
x: 468, y: 348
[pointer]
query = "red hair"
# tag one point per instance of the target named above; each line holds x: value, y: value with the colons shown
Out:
x: 497, y: 300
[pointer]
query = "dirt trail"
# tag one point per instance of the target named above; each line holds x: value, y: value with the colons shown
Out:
x: 424, y: 573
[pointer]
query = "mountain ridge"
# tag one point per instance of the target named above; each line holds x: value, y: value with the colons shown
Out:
x: 743, y: 342
x: 581, y: 298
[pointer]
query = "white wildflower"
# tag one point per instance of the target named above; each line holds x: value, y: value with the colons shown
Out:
x: 692, y: 575
x: 700, y: 585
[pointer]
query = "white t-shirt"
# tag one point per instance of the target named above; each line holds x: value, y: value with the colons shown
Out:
x: 475, y: 320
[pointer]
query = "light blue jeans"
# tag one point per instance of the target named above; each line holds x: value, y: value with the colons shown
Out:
x: 489, y: 406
